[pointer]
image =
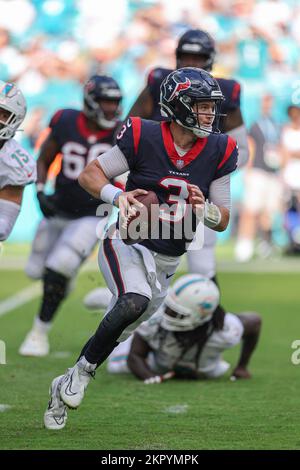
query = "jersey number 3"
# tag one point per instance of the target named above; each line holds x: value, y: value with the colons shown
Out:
x: 178, y: 194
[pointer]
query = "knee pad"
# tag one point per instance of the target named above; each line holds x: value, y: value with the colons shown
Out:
x: 131, y: 306
x: 128, y: 308
x: 55, y: 289
x: 55, y: 284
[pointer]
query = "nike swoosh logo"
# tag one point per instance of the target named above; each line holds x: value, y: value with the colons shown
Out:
x: 59, y: 419
x: 169, y: 275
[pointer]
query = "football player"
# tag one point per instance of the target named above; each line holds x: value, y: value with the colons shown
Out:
x: 68, y: 232
x: 17, y: 167
x: 185, y: 162
x: 180, y: 339
x: 195, y: 48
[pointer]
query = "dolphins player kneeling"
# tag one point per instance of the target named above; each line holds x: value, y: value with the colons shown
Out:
x: 182, y: 339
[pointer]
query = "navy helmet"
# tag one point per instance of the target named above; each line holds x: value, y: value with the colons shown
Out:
x: 97, y: 88
x: 181, y: 90
x: 197, y: 42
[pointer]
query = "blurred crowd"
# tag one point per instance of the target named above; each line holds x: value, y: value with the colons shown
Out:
x: 50, y: 47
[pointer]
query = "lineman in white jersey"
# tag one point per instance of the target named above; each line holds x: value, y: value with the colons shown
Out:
x: 17, y: 167
x: 180, y: 339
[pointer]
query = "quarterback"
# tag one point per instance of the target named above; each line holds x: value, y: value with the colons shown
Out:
x: 195, y: 48
x: 186, y: 162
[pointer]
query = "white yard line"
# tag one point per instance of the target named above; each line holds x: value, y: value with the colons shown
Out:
x: 20, y: 298
x: 176, y: 409
x: 4, y: 407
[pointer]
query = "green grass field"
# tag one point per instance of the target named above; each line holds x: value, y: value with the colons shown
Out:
x: 122, y: 413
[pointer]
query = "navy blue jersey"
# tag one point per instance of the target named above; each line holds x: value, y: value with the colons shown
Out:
x: 78, y: 146
x: 231, y: 90
x: 155, y: 165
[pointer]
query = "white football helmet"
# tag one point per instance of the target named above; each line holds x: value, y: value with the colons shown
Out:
x: 193, y: 299
x: 12, y: 100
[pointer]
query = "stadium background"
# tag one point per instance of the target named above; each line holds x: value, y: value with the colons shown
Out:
x: 50, y: 47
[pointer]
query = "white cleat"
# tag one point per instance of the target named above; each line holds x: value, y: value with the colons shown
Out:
x: 55, y: 416
x: 75, y: 381
x: 36, y: 344
x: 98, y: 299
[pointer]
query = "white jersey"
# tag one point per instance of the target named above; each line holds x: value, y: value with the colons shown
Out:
x: 17, y: 167
x: 168, y: 351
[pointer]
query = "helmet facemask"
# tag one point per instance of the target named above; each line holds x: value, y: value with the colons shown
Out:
x: 97, y: 89
x: 93, y: 110
x: 190, y: 118
x: 11, y: 100
x: 178, y: 318
x: 197, y: 43
x: 181, y: 90
x: 190, y: 303
x: 207, y: 64
x: 185, y: 115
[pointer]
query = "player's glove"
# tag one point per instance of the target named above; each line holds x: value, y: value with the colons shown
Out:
x: 157, y: 379
x: 47, y: 204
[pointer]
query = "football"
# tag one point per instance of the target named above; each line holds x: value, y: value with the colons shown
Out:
x: 138, y: 227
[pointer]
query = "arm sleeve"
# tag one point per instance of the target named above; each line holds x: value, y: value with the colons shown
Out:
x: 9, y: 212
x: 228, y: 157
x: 113, y: 162
x: 219, y: 192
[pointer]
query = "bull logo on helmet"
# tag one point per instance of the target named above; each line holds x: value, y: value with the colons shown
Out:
x: 178, y: 88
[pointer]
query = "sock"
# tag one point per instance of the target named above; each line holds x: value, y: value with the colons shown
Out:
x: 40, y: 326
x: 87, y: 366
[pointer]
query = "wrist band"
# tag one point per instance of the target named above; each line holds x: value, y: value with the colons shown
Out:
x: 109, y: 192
